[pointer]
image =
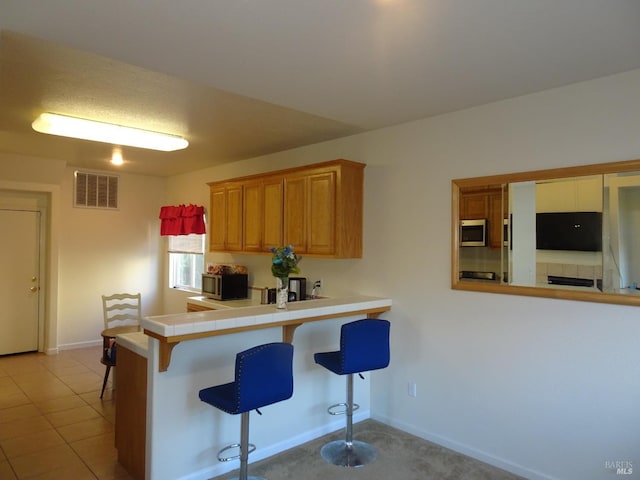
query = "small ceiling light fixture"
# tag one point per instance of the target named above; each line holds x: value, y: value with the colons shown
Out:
x: 116, y: 157
x: 74, y: 127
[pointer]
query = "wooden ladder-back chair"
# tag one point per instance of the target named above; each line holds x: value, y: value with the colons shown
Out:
x: 122, y: 314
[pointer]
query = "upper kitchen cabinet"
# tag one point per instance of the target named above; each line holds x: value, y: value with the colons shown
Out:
x: 474, y: 205
x: 583, y: 194
x: 489, y: 203
x: 310, y: 212
x: 316, y: 208
x: 262, y: 217
x: 225, y: 233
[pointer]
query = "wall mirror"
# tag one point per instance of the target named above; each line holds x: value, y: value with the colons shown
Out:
x: 568, y: 233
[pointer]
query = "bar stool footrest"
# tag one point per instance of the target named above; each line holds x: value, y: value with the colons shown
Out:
x: 252, y: 447
x: 341, y: 412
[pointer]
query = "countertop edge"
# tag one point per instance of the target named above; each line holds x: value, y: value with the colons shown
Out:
x: 137, y: 342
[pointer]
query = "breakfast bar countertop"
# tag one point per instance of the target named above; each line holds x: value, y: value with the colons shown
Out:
x: 137, y: 342
x: 258, y: 316
x: 172, y: 329
x: 222, y: 304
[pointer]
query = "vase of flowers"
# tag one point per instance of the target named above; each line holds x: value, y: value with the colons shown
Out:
x: 283, y: 263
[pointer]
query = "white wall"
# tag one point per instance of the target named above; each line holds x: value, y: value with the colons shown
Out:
x: 107, y: 251
x: 91, y: 251
x: 545, y: 388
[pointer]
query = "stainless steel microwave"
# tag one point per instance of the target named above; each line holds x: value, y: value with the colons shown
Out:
x: 473, y: 233
x: 232, y: 286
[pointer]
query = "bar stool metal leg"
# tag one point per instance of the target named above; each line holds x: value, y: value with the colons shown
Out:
x: 245, y: 449
x: 347, y: 452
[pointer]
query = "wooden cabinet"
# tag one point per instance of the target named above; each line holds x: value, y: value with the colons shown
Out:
x: 486, y: 203
x: 225, y: 221
x: 474, y: 206
x: 295, y: 212
x: 193, y: 307
x: 581, y: 194
x: 262, y: 214
x: 310, y: 212
x: 131, y: 412
x: 273, y: 221
x: 316, y: 208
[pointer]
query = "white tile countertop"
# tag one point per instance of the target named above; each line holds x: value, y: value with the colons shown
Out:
x: 223, y: 304
x: 256, y: 315
x: 170, y: 330
x: 137, y: 342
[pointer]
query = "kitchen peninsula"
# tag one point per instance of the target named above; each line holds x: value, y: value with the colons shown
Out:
x: 183, y: 353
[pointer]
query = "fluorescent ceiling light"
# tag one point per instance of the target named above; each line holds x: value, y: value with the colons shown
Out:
x: 73, y: 127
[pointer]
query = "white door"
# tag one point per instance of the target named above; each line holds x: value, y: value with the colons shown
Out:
x: 19, y: 280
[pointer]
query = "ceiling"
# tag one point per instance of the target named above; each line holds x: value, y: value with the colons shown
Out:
x: 243, y: 78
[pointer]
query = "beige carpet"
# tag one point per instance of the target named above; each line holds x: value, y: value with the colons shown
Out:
x: 401, y: 457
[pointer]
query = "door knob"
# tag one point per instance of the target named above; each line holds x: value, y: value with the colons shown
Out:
x: 34, y: 279
x: 34, y: 289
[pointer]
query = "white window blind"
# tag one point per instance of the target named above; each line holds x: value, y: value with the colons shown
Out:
x: 186, y: 244
x: 186, y: 261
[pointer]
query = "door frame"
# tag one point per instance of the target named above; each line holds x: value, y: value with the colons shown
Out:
x: 13, y: 195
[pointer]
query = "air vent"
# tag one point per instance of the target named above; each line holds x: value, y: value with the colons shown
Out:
x: 93, y: 190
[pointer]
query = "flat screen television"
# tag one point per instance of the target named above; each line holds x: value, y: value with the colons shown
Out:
x: 581, y: 231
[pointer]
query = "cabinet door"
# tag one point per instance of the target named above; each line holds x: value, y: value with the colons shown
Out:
x: 273, y: 214
x: 589, y: 193
x: 225, y: 232
x: 474, y: 206
x: 583, y: 194
x: 321, y: 213
x: 218, y: 219
x: 234, y: 218
x: 131, y: 403
x: 295, y: 216
x: 253, y: 216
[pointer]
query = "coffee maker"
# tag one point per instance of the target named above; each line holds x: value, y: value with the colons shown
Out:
x: 298, y: 285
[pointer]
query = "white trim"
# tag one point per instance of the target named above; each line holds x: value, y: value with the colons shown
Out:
x: 74, y: 346
x: 465, y: 449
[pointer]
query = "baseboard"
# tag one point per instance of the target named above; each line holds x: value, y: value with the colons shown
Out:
x: 465, y: 450
x: 262, y: 453
x: 73, y: 346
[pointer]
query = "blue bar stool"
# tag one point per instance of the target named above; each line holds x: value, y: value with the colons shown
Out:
x: 263, y: 375
x: 364, y: 346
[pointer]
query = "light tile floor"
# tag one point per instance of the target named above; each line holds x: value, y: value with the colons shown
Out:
x: 53, y: 423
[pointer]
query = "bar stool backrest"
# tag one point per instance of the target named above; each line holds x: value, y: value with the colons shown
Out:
x: 264, y: 375
x: 364, y: 345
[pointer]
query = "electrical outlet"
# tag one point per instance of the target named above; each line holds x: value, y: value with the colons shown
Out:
x: 317, y: 284
x: 412, y: 389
